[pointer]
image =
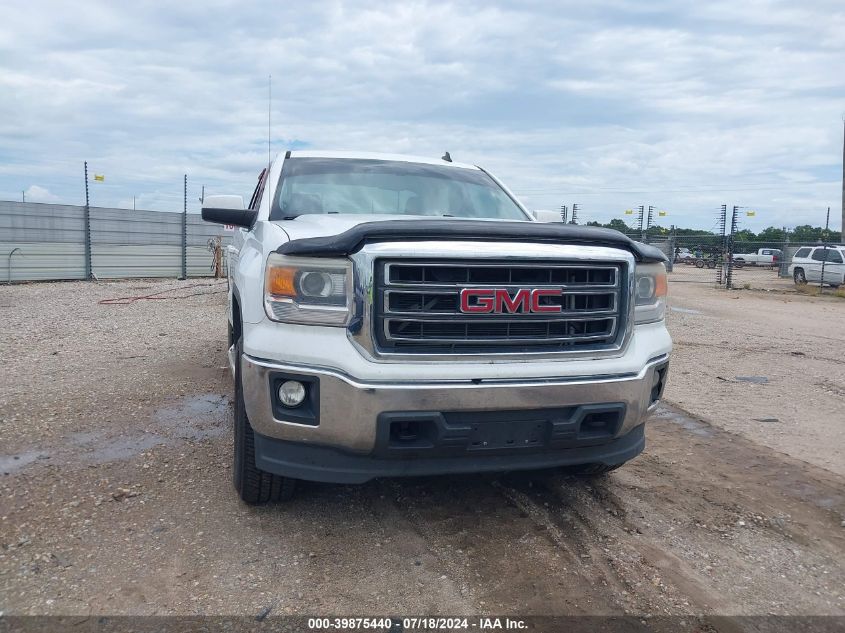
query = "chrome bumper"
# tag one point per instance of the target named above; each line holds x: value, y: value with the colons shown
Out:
x: 348, y: 408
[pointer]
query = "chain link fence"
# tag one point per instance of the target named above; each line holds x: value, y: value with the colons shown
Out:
x: 730, y: 263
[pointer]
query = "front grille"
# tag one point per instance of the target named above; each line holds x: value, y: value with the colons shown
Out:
x: 417, y: 307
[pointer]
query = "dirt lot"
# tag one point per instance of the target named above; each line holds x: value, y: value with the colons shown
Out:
x: 116, y: 497
x: 767, y: 365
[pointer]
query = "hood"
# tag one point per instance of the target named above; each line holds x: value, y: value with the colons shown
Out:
x: 323, y: 224
x: 325, y: 236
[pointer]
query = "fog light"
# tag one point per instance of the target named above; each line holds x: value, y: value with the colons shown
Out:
x: 291, y: 393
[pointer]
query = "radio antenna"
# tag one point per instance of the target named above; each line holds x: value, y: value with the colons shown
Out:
x: 269, y: 153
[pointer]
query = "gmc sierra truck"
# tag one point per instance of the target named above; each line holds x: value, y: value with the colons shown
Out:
x: 395, y: 316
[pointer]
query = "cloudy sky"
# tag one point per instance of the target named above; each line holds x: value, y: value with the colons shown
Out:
x: 610, y: 104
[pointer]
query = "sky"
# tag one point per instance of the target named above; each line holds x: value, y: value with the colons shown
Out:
x: 608, y: 104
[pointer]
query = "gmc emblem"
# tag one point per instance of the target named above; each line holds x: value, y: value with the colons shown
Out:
x: 499, y: 300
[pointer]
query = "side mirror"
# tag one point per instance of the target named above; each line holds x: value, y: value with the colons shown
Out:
x: 227, y: 210
x: 546, y: 216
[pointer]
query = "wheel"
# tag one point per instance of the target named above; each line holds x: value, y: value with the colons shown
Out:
x: 699, y: 263
x: 799, y: 277
x: 738, y: 263
x: 591, y: 470
x: 711, y: 263
x: 254, y: 486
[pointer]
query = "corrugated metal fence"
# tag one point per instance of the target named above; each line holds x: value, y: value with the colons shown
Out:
x: 48, y: 241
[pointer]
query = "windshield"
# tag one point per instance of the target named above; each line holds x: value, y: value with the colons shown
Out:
x: 359, y: 186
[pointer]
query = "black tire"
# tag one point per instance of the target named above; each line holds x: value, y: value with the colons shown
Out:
x: 711, y: 263
x: 591, y: 470
x: 699, y: 263
x: 254, y: 486
x: 799, y: 277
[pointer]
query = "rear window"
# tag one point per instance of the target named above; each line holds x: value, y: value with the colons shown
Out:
x: 827, y: 255
x: 802, y: 252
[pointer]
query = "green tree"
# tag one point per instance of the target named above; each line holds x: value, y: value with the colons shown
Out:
x: 619, y: 225
x: 772, y: 236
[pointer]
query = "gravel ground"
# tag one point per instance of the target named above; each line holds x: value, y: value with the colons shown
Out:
x: 115, y: 498
x: 790, y: 349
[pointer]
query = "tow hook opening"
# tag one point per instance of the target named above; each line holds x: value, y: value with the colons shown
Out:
x: 658, y: 382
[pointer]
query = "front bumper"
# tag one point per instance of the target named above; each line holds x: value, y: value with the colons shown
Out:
x: 354, y: 416
x: 320, y: 463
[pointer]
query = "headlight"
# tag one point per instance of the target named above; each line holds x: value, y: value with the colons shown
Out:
x: 650, y: 288
x: 308, y: 290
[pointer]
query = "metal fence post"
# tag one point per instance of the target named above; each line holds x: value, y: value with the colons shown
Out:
x: 88, y: 268
x: 671, y: 263
x: 185, y: 229
x: 784, y: 264
x: 730, y: 250
x: 824, y: 257
x: 719, y: 264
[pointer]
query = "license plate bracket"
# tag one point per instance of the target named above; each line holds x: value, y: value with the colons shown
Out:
x: 513, y: 434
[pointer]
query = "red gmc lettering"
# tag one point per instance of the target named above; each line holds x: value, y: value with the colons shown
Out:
x: 504, y: 302
x: 484, y: 303
x: 487, y: 300
x: 535, y: 300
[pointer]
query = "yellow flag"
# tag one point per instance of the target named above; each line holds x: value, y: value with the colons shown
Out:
x: 629, y: 212
x: 661, y: 214
x: 99, y: 177
x: 750, y: 214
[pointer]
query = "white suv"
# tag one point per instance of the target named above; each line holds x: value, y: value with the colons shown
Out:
x: 807, y: 264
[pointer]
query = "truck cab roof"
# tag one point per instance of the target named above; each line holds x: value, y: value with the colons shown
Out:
x: 425, y: 160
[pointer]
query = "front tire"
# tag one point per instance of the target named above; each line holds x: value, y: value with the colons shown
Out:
x: 254, y: 486
x: 799, y: 277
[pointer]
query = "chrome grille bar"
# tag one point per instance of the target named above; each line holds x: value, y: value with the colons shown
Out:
x: 417, y: 306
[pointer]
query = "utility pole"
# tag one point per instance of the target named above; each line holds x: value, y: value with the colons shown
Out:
x: 843, y: 181
x: 202, y: 195
x: 23, y: 196
x: 575, y: 208
x: 133, y: 203
x: 564, y: 213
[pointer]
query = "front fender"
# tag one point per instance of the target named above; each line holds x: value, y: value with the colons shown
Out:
x: 262, y: 239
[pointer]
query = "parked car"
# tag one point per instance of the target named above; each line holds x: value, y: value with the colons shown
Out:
x: 684, y: 256
x: 393, y: 316
x: 763, y: 257
x: 806, y: 265
x: 710, y: 256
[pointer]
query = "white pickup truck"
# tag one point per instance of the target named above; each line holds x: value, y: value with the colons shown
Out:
x: 393, y: 316
x: 763, y: 257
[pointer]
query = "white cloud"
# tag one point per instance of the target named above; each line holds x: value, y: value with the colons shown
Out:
x: 34, y: 193
x: 694, y: 105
